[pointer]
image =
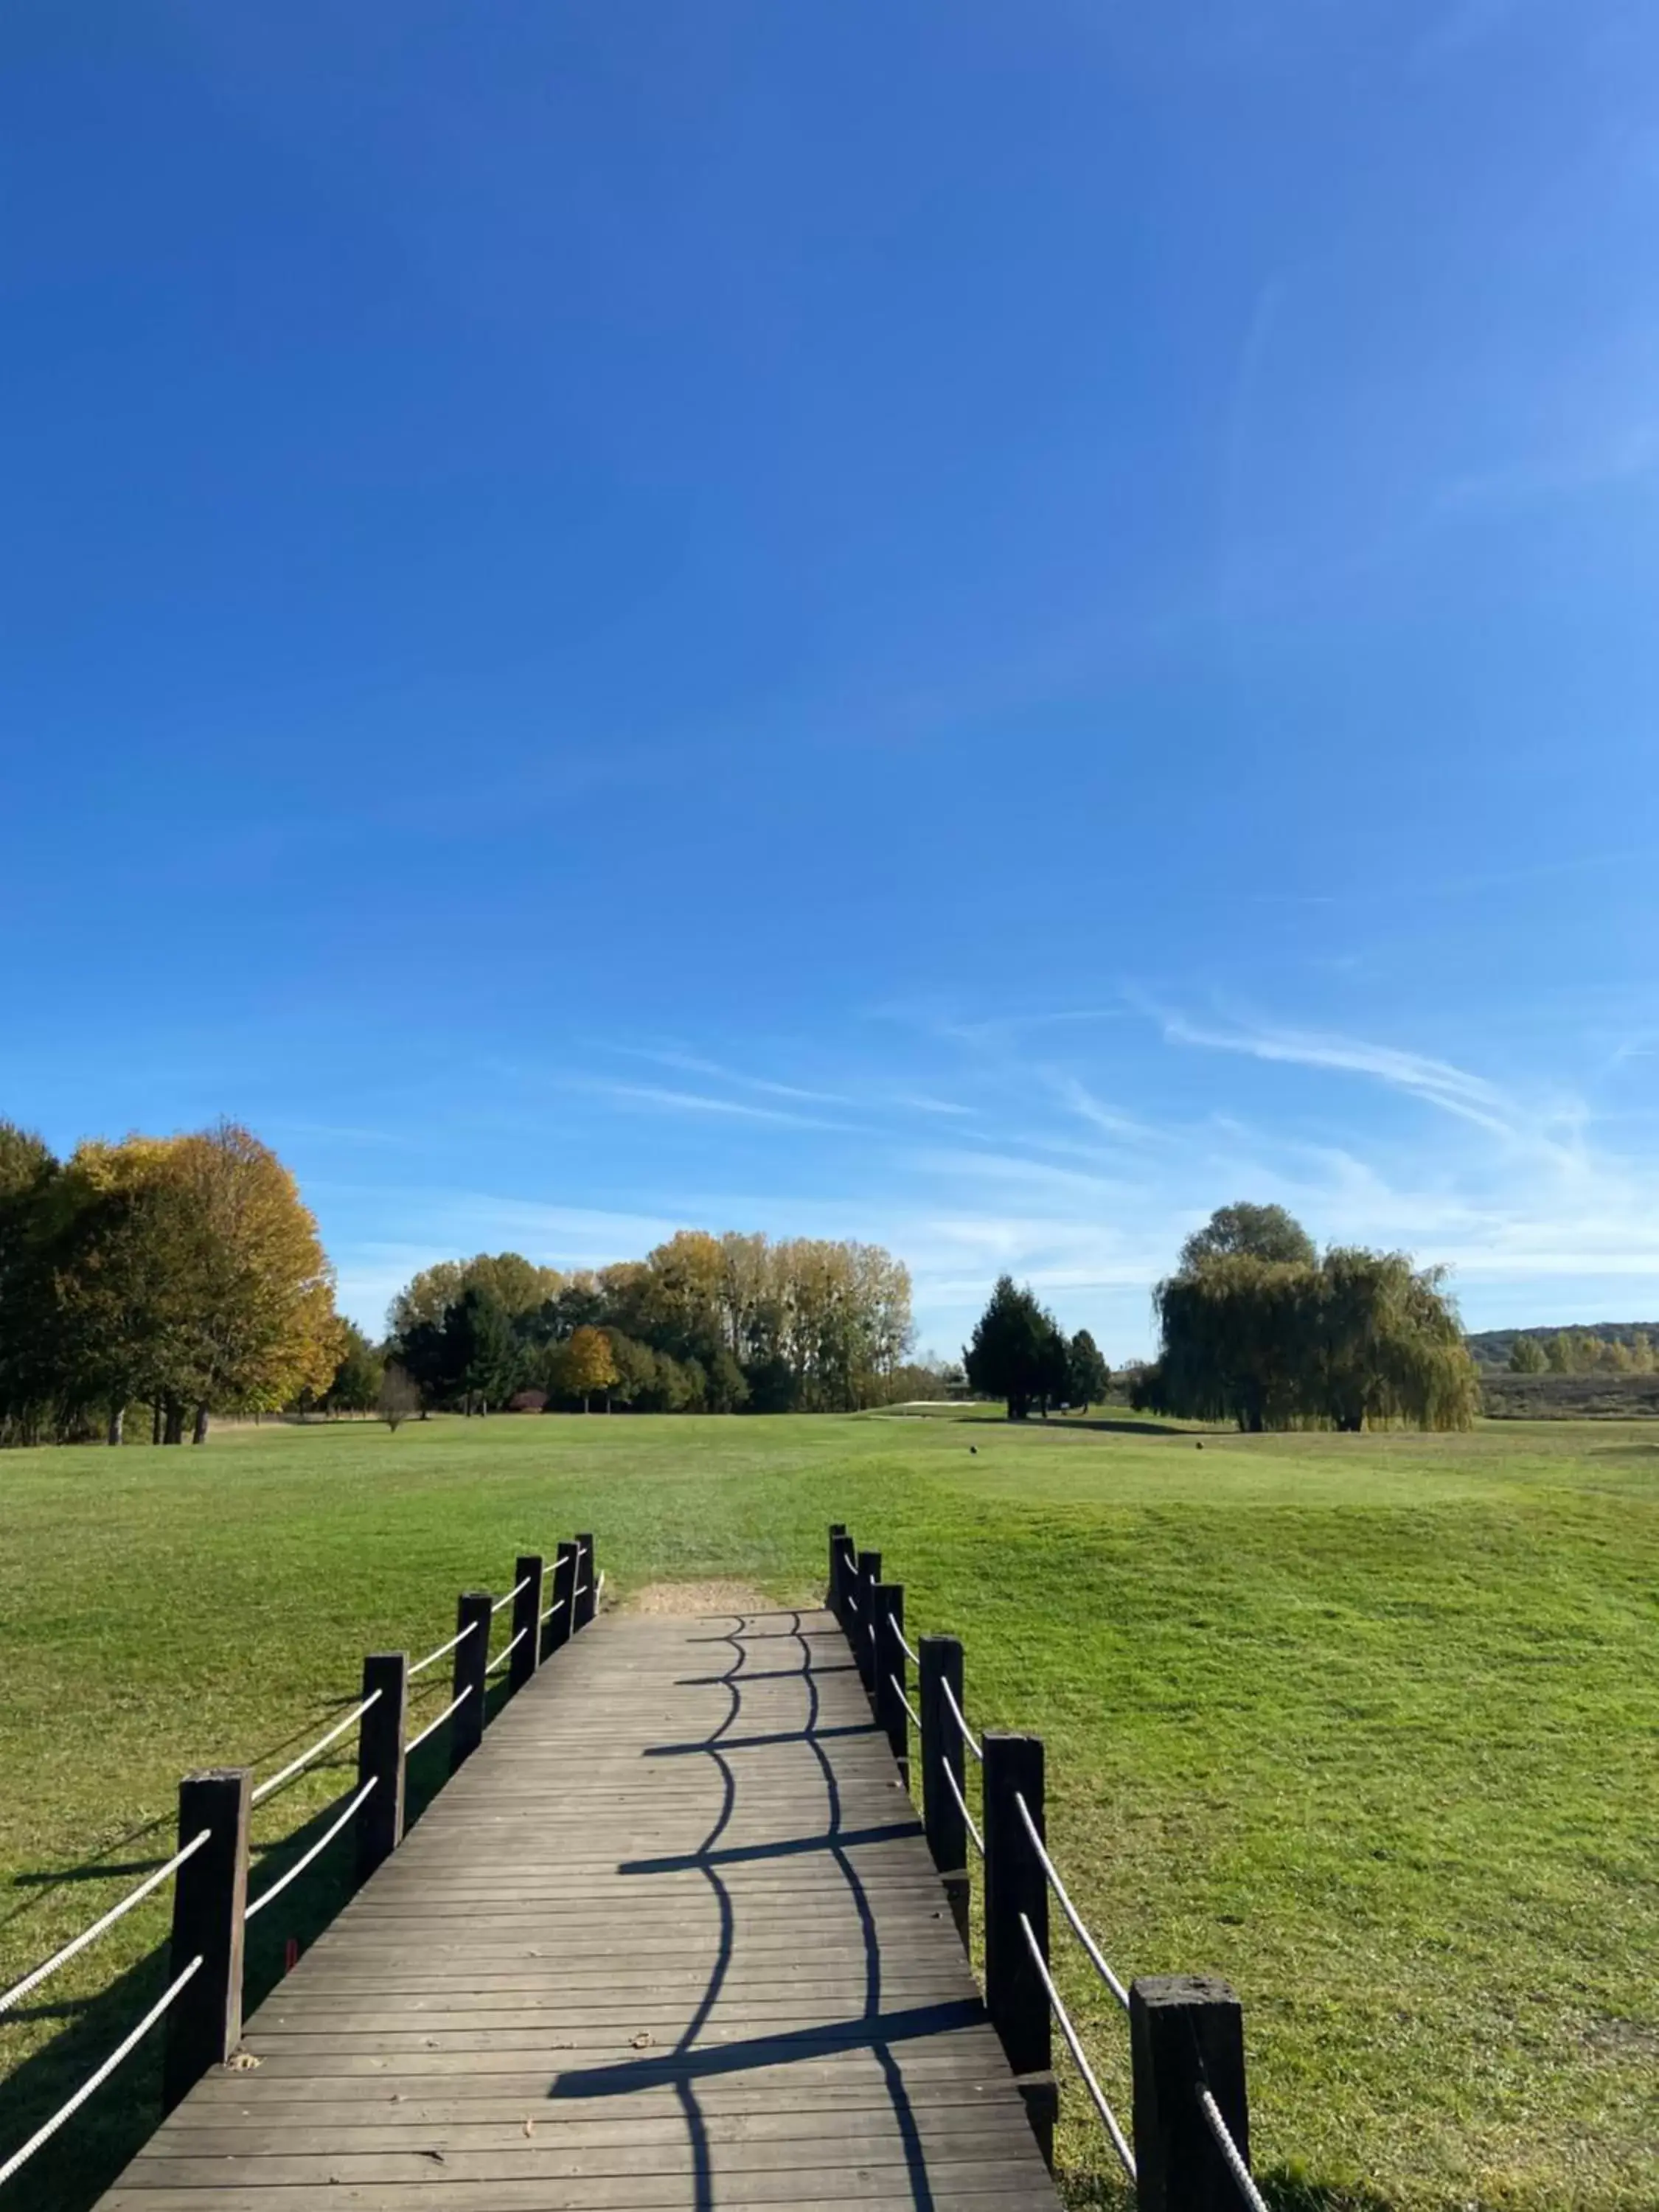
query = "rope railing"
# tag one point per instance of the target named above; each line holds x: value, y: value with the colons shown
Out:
x: 270, y: 1895
x: 96, y: 2081
x: 914, y: 1657
x: 432, y: 1727
x: 962, y: 1808
x: 898, y: 1691
x: 960, y: 1718
x: 77, y: 1943
x: 522, y: 1584
x: 1120, y: 2141
x: 442, y: 1651
x: 506, y: 1653
x: 1096, y: 1955
x: 548, y: 1614
x: 1229, y: 2151
x: 294, y: 1766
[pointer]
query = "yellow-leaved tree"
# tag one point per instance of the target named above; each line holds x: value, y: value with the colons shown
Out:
x: 586, y: 1363
x: 203, y: 1263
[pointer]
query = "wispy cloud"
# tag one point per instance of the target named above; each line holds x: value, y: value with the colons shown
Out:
x: 693, y: 1064
x: 699, y: 1101
x: 1438, y: 1081
x: 1629, y: 455
x: 1460, y: 28
x: 1111, y: 1123
x: 917, y: 1102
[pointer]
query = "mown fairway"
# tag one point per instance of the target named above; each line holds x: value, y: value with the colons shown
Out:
x: 1367, y: 1725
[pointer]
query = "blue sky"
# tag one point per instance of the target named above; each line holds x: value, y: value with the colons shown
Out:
x: 979, y: 626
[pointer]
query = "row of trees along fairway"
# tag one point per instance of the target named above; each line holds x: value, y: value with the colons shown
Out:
x: 180, y: 1274
x: 1019, y: 1352
x: 701, y: 1324
x: 1258, y: 1329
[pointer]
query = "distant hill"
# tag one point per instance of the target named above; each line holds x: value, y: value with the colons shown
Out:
x: 1491, y: 1346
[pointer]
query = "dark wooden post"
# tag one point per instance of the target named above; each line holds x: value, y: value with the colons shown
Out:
x: 556, y: 1629
x: 1185, y: 2033
x: 526, y: 1615
x: 942, y: 1750
x: 380, y: 1758
x: 471, y: 1658
x: 1015, y: 1887
x: 832, y: 1587
x: 847, y: 1574
x: 864, y: 1622
x: 588, y: 1575
x: 210, y: 1904
x: 891, y: 1675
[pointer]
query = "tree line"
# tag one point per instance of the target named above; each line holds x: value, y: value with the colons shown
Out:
x: 1582, y: 1351
x: 701, y: 1324
x: 181, y: 1274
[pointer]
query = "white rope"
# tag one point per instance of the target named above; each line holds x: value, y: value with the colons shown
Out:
x: 1119, y: 2143
x: 95, y: 2080
x: 961, y: 1805
x: 599, y: 1587
x: 551, y: 1610
x: 522, y: 1584
x: 432, y: 1727
x: 1224, y: 2143
x: 851, y: 1599
x: 116, y: 1913
x: 321, y: 1845
x: 967, y: 1733
x: 1069, y: 1909
x: 507, y: 1653
x: 914, y: 1657
x: 306, y: 1756
x: 442, y: 1651
x: 898, y: 1691
x: 580, y: 1591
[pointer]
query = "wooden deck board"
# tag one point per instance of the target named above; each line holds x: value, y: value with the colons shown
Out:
x: 672, y: 1939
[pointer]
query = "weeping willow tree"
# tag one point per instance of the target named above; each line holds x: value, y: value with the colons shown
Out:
x: 1359, y: 1337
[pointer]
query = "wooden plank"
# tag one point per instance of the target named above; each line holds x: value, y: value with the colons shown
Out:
x: 949, y: 2180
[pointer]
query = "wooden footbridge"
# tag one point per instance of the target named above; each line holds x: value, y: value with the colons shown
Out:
x: 673, y: 1935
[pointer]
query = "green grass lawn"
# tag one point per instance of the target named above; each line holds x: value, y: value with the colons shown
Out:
x: 1367, y: 1725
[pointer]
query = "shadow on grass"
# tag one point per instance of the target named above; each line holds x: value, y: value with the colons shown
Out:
x: 1118, y: 1428
x: 43, y: 1882
x: 72, y: 2171
x: 1285, y: 2188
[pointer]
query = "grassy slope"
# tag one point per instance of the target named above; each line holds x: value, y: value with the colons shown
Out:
x: 1366, y: 1725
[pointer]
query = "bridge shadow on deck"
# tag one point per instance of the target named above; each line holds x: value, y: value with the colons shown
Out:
x: 873, y: 2030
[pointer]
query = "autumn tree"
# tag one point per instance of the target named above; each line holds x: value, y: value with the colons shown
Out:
x: 586, y: 1363
x: 1527, y: 1357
